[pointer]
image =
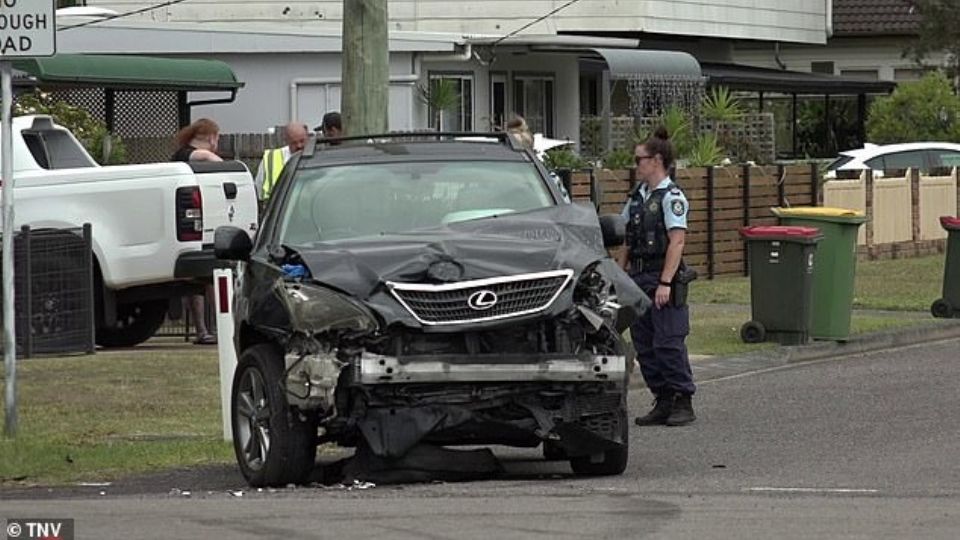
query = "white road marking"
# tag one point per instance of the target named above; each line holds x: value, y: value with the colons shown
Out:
x: 811, y: 490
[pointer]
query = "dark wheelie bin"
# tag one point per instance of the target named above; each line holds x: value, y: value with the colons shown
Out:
x: 949, y: 306
x: 781, y: 283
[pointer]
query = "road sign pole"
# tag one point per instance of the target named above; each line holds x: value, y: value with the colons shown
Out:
x: 34, y: 34
x: 9, y: 317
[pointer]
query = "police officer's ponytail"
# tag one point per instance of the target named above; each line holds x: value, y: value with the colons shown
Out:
x: 659, y: 143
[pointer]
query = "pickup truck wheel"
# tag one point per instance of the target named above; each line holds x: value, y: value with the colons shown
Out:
x: 135, y: 324
x: 614, y: 461
x: 274, y: 445
x: 54, y: 306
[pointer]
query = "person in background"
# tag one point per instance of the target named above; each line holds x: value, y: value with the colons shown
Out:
x: 331, y: 126
x: 199, y: 142
x: 295, y: 135
x: 517, y: 129
x: 656, y: 215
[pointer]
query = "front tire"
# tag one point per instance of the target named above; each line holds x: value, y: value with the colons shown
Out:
x: 614, y: 461
x: 135, y: 324
x: 273, y: 444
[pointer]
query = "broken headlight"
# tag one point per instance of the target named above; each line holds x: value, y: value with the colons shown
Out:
x: 314, y: 309
x: 595, y: 297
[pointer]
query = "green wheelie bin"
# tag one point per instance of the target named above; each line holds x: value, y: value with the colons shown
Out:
x: 833, y: 276
x: 781, y: 283
x: 949, y: 306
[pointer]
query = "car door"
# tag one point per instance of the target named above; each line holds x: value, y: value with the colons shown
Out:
x: 941, y: 157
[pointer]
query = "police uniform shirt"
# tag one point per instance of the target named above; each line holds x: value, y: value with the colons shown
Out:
x: 675, y: 206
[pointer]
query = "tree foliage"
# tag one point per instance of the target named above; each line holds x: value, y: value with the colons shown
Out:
x: 925, y: 110
x: 939, y: 32
x: 91, y: 132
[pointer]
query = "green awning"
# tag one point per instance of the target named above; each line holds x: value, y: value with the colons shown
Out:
x: 130, y: 72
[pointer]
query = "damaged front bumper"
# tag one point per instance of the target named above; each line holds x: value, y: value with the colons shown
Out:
x: 380, y: 369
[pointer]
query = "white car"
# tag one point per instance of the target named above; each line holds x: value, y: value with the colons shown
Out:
x: 153, y: 226
x: 918, y: 155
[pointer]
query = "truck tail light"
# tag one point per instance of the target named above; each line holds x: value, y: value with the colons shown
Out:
x: 189, y: 214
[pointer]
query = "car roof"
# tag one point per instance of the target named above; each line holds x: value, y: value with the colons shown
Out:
x: 398, y: 147
x: 872, y: 151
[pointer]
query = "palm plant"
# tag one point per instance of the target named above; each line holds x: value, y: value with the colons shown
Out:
x: 706, y: 151
x: 440, y: 96
x: 720, y: 106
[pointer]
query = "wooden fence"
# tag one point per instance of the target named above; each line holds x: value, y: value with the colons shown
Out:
x: 722, y: 200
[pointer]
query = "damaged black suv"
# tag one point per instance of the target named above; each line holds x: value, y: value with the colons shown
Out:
x: 427, y: 289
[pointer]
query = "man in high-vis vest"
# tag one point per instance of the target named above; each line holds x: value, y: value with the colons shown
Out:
x: 295, y: 134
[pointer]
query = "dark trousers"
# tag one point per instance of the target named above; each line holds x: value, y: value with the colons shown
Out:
x: 658, y: 338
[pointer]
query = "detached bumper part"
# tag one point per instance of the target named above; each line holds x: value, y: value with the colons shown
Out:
x: 378, y: 369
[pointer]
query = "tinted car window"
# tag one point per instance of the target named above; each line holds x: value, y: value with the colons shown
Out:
x: 352, y: 201
x: 839, y: 162
x: 899, y: 160
x: 944, y: 158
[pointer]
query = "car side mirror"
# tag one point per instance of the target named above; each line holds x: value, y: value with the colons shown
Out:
x: 614, y: 229
x: 232, y: 244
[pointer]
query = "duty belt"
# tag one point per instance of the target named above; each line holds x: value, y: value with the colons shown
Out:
x: 638, y: 264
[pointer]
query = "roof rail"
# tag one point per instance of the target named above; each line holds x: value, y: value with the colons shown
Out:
x: 501, y: 137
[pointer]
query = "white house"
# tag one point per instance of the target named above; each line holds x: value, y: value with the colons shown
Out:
x: 294, y: 74
x: 867, y: 42
x: 799, y: 21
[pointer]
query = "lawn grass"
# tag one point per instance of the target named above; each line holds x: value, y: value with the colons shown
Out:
x: 92, y: 418
x: 897, y: 285
x: 715, y: 329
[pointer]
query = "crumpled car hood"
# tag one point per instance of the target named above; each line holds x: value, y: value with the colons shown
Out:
x: 566, y: 236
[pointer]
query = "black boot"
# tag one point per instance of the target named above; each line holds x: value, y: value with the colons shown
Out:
x: 682, y: 413
x: 662, y: 407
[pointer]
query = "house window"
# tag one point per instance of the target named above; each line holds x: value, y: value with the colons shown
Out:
x: 911, y: 74
x: 861, y: 74
x: 498, y: 101
x: 457, y: 115
x: 533, y: 99
x: 822, y: 67
x: 589, y: 94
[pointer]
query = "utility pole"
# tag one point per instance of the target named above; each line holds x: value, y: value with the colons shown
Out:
x: 366, y: 67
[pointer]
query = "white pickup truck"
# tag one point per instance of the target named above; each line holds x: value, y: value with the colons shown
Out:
x: 152, y: 224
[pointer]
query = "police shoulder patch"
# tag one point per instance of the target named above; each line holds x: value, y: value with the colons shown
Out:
x: 678, y: 207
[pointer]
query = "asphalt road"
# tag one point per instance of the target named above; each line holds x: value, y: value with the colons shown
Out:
x: 860, y: 447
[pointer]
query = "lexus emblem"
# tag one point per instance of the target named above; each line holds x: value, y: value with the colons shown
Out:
x: 482, y: 300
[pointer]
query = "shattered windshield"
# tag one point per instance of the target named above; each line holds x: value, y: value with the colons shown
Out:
x: 352, y: 201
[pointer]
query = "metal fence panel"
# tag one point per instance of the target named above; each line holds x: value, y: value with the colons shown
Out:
x: 53, y: 274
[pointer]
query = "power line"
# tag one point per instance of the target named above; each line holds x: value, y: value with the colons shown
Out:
x: 531, y: 23
x: 125, y: 14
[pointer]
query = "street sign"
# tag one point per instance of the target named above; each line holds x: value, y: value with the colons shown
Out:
x: 27, y: 28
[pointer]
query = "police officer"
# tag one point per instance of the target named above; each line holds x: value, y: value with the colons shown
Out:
x: 656, y: 216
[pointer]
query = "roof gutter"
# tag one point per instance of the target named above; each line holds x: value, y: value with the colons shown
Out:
x: 829, y: 17
x: 217, y: 101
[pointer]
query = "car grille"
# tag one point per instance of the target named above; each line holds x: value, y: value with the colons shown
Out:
x: 482, y: 299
